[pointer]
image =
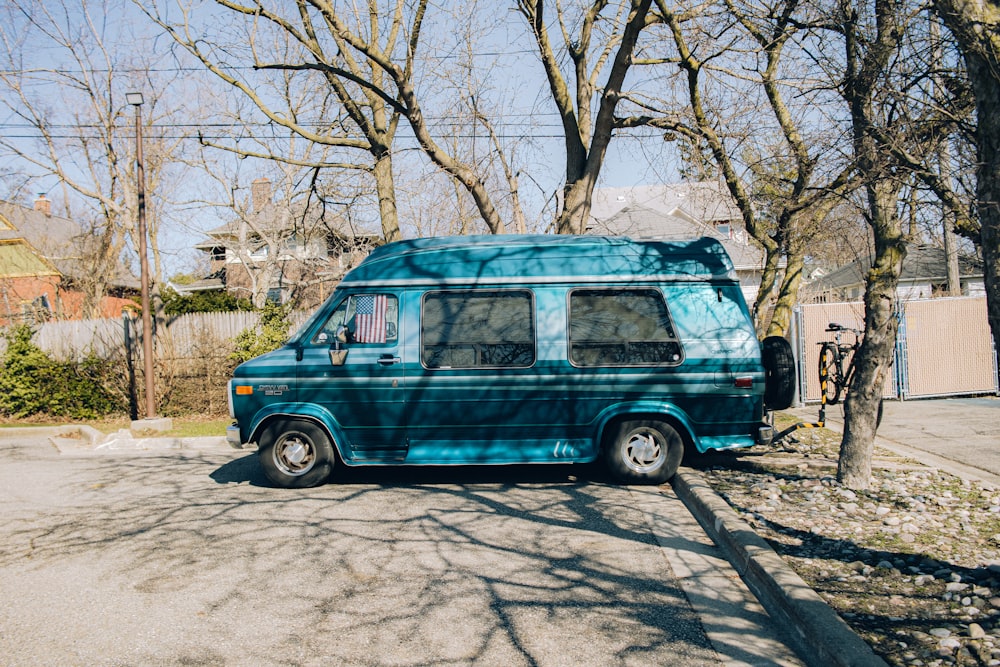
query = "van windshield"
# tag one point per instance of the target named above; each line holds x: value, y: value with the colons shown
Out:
x: 300, y: 333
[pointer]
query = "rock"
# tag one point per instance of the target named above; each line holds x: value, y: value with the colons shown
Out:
x: 976, y: 631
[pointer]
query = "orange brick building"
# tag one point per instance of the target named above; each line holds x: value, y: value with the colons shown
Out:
x: 40, y: 260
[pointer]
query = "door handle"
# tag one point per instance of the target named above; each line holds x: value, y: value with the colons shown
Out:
x: 388, y: 360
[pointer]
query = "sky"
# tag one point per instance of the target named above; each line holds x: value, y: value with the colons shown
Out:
x: 511, y: 80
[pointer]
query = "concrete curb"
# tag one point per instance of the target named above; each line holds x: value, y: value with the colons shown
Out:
x: 78, y: 438
x: 815, y: 631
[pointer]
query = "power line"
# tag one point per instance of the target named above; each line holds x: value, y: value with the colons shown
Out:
x: 439, y: 121
x: 239, y: 68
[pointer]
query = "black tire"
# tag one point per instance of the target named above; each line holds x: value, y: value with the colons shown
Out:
x: 296, y: 454
x: 828, y: 370
x: 642, y: 452
x: 779, y: 373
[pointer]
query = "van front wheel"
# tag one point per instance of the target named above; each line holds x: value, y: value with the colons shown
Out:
x: 643, y: 452
x: 295, y: 454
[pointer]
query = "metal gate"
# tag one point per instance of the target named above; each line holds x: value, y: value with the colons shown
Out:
x: 944, y: 347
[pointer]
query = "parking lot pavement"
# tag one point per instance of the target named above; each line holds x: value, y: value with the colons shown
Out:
x: 181, y: 555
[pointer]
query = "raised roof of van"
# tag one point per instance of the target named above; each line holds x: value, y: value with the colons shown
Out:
x: 563, y: 258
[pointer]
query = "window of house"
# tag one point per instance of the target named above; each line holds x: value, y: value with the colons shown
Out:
x: 621, y: 327
x: 477, y: 328
x: 275, y: 295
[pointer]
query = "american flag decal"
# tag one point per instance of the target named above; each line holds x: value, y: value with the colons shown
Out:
x: 370, y: 318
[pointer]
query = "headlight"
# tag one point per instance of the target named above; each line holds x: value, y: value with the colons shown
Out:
x: 229, y: 399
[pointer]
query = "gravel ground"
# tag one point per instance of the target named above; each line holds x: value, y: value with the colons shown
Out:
x: 912, y: 564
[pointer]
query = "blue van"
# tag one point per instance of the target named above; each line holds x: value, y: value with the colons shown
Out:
x: 516, y: 349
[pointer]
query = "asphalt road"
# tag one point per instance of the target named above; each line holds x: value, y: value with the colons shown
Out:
x: 187, y: 557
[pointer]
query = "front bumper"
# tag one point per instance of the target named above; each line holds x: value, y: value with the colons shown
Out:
x: 233, y: 436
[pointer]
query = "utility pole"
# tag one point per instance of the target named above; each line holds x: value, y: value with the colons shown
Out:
x: 151, y: 422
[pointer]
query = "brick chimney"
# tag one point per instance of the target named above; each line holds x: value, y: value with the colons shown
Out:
x: 43, y: 204
x: 260, y: 194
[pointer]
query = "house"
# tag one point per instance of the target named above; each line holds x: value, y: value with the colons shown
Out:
x: 44, y: 265
x: 679, y: 212
x: 294, y: 253
x: 924, y: 275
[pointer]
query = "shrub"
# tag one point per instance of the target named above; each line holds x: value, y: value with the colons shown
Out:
x: 270, y: 333
x: 202, y: 302
x: 32, y: 383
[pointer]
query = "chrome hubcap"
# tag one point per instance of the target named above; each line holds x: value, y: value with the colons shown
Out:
x: 294, y: 455
x: 643, y: 451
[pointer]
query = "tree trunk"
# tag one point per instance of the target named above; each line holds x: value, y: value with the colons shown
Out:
x: 985, y: 76
x: 976, y: 28
x: 576, y: 206
x: 874, y: 358
x: 781, y: 318
x: 385, y: 187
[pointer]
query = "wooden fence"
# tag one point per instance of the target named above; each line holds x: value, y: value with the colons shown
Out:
x: 193, y: 354
x: 944, y: 347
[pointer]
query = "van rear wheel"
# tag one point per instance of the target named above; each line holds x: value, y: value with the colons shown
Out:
x: 643, y: 452
x: 296, y: 454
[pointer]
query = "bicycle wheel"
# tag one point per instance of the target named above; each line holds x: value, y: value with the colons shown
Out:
x: 829, y: 374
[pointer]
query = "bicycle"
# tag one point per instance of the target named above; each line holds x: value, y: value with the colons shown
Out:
x: 834, y: 378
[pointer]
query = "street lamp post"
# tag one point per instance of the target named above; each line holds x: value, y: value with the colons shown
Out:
x: 135, y: 99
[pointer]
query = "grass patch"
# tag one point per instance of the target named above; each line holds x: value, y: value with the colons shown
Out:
x: 183, y: 427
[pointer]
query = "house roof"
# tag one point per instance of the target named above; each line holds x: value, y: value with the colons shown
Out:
x: 922, y: 263
x: 61, y: 241
x: 704, y: 201
x: 270, y: 217
x: 639, y: 221
x: 19, y: 260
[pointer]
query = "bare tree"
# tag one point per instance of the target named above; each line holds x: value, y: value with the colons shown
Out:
x: 586, y: 135
x: 784, y: 187
x: 78, y: 134
x: 364, y: 57
x: 871, y: 43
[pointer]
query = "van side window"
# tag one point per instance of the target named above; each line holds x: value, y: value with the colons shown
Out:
x: 362, y: 318
x: 621, y: 327
x: 477, y: 328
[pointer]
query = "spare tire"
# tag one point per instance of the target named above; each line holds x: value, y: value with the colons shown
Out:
x: 779, y: 373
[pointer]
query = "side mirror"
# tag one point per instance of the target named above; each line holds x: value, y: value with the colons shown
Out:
x: 338, y: 355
